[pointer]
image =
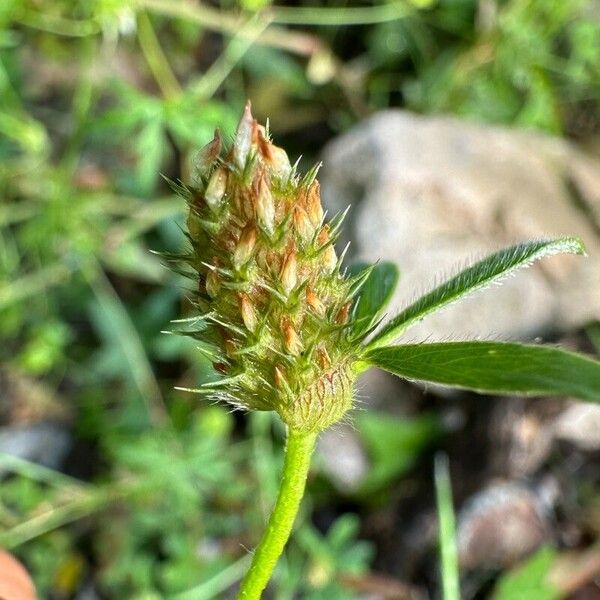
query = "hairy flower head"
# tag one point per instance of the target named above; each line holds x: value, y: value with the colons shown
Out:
x: 274, y: 306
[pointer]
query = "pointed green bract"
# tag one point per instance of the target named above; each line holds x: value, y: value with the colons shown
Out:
x: 494, y: 367
x: 376, y: 292
x: 489, y: 270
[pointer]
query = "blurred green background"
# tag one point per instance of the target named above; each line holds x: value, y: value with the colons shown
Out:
x: 144, y: 492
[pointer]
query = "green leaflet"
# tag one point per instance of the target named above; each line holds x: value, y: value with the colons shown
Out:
x: 374, y: 296
x: 480, y: 275
x: 494, y: 367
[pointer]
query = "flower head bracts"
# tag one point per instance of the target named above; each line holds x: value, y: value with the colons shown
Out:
x: 274, y: 305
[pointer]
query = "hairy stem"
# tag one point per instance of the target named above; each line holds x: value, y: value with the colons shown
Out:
x: 295, y: 469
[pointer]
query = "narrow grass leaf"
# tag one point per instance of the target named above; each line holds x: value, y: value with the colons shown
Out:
x: 447, y: 529
x: 489, y: 270
x: 494, y: 367
x: 219, y: 582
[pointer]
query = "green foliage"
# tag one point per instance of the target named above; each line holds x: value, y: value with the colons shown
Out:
x: 331, y: 557
x: 178, y: 480
x: 91, y: 111
x: 161, y: 500
x: 393, y: 444
x: 146, y: 124
x: 482, y: 274
x: 374, y: 296
x: 494, y: 367
x: 507, y: 62
x: 529, y: 580
x: 491, y: 367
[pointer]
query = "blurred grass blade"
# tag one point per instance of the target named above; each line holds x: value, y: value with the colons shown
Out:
x: 447, y: 529
x: 155, y: 57
x: 118, y: 324
x: 50, y: 23
x: 210, y: 82
x: 374, y: 295
x: 489, y: 270
x: 219, y: 582
x: 342, y: 16
x: 33, y: 283
x: 30, y: 134
x: 494, y: 367
x: 16, y: 212
x: 298, y: 42
x: 32, y: 470
x: 57, y: 516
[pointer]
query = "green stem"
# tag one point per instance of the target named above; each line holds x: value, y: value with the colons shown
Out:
x: 295, y: 469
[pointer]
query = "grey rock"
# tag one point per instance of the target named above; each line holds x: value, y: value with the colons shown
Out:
x: 377, y: 389
x: 521, y: 437
x: 87, y: 593
x: 342, y: 458
x: 44, y: 443
x: 501, y: 525
x: 579, y: 425
x: 434, y: 193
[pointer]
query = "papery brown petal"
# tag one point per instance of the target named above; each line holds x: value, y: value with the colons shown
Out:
x: 314, y: 302
x: 248, y: 312
x: 215, y: 190
x: 289, y: 272
x: 344, y: 313
x: 243, y: 137
x: 207, y: 155
x: 303, y: 225
x: 265, y: 206
x: 313, y: 204
x: 245, y: 246
x: 291, y: 340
